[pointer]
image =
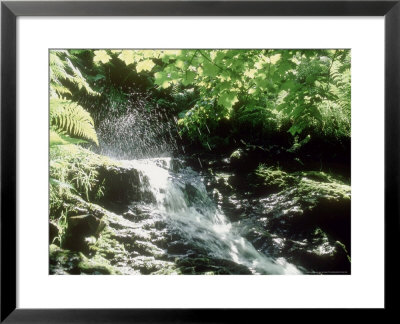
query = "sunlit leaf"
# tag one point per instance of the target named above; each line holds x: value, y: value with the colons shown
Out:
x: 227, y: 99
x: 127, y: 56
x: 146, y: 65
x: 101, y: 56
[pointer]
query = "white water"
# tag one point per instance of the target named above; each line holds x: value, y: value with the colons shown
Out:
x: 183, y: 201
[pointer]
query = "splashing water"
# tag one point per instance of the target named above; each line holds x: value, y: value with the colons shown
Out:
x: 141, y: 131
x: 182, y: 199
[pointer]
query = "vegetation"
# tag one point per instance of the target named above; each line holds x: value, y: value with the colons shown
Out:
x: 264, y: 92
x: 282, y: 117
x: 303, y: 92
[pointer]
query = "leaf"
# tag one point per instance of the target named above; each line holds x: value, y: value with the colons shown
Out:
x: 162, y: 79
x: 127, y: 57
x: 146, y: 65
x: 289, y: 84
x: 61, y: 184
x: 210, y: 69
x: 261, y: 81
x: 71, y: 119
x: 180, y: 64
x: 60, y: 139
x: 275, y: 58
x: 101, y: 56
x: 227, y: 99
x: 62, y: 69
x: 188, y: 78
x: 250, y: 73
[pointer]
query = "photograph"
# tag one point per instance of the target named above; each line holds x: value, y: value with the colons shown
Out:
x: 209, y: 161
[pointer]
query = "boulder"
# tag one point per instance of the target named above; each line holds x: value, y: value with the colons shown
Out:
x: 79, y: 228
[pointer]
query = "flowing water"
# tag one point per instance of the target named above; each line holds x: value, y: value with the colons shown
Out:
x: 183, y: 203
x: 183, y: 221
x: 180, y: 201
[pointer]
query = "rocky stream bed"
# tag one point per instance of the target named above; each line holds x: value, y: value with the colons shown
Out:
x: 214, y: 215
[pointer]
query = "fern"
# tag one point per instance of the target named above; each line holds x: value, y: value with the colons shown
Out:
x: 61, y: 70
x: 70, y: 119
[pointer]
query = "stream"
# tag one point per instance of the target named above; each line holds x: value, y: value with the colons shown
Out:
x: 192, y: 219
x: 201, y: 214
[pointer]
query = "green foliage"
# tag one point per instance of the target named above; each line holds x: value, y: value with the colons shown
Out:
x: 69, y: 122
x: 302, y: 92
x: 68, y: 118
x: 62, y: 225
x: 74, y: 170
x: 64, y: 75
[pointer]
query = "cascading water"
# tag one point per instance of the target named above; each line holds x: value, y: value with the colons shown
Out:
x: 142, y: 137
x: 183, y: 202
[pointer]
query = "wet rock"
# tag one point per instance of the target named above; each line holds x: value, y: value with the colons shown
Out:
x: 148, y: 249
x: 79, y: 228
x: 122, y: 186
x: 321, y: 257
x: 178, y: 248
x: 148, y: 265
x: 206, y: 265
x: 284, y: 211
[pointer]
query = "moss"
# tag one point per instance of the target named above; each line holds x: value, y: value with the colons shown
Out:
x: 309, y: 185
x: 333, y: 190
x: 273, y: 177
x: 106, y: 246
x: 96, y: 265
x: 68, y: 262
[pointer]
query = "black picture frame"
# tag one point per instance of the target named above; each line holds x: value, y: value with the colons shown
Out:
x: 10, y: 10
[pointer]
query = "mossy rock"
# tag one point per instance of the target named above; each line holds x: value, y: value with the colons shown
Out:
x: 270, y: 179
x: 69, y: 262
x: 96, y: 265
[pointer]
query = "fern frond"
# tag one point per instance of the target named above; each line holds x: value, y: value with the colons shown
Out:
x: 71, y: 119
x: 61, y: 70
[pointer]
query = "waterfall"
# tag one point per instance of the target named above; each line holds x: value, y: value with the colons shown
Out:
x: 182, y: 200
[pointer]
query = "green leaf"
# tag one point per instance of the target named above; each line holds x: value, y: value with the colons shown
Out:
x: 188, y: 78
x: 71, y: 119
x: 162, y: 79
x: 101, y: 56
x: 227, y: 99
x: 210, y: 69
x: 146, y: 65
x: 61, y: 184
x: 275, y: 58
